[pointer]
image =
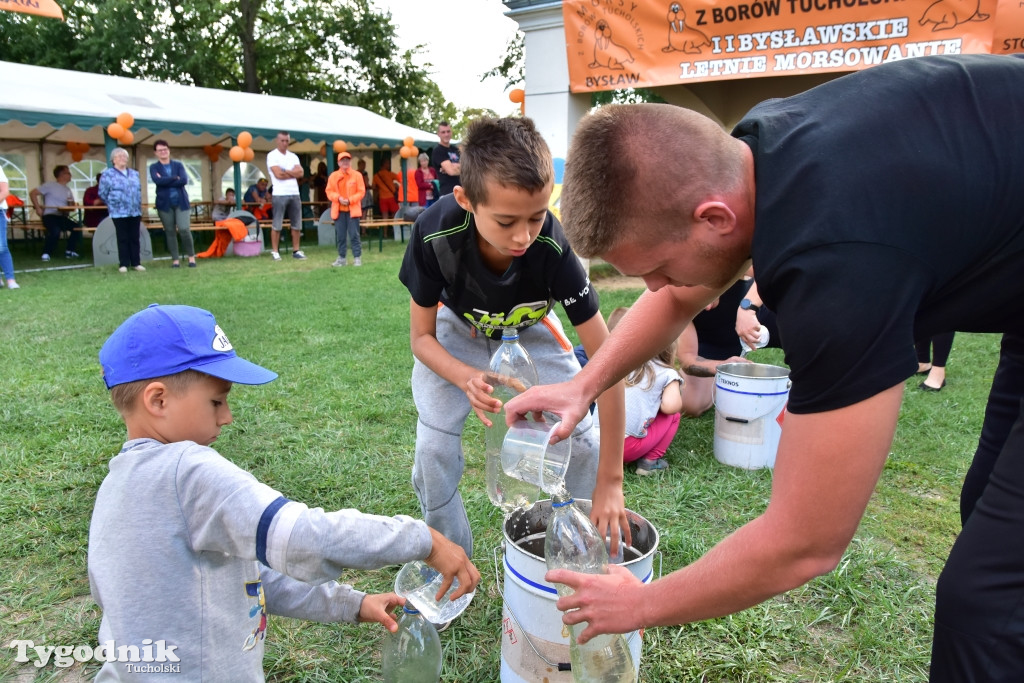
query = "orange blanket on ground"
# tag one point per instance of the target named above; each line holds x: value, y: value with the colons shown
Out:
x: 233, y: 229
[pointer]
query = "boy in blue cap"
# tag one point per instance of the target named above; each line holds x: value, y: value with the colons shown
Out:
x: 188, y: 553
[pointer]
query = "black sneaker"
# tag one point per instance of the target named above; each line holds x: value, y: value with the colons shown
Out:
x: 71, y: 254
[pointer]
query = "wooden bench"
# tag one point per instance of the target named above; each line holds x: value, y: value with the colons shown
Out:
x: 380, y: 224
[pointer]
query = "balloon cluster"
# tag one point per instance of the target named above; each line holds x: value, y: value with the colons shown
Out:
x: 77, y: 149
x: 119, y: 129
x: 213, y: 152
x: 518, y: 96
x: 409, y: 150
x: 242, y: 151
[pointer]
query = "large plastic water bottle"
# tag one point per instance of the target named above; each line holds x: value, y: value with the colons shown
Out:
x: 412, y: 654
x: 511, y: 372
x: 573, y: 542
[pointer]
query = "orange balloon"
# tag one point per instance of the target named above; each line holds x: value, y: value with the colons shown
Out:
x: 217, y: 149
x: 72, y: 146
x: 249, y: 154
x: 115, y: 130
x: 76, y: 156
x: 405, y: 152
x: 518, y: 95
x: 339, y: 146
x: 125, y: 119
x: 409, y: 141
x: 244, y: 138
x: 415, y: 152
x: 237, y: 154
x: 127, y: 139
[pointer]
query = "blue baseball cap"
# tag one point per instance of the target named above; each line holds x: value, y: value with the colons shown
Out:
x: 165, y: 340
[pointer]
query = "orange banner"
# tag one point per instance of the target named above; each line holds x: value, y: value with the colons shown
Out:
x: 43, y: 8
x: 615, y: 44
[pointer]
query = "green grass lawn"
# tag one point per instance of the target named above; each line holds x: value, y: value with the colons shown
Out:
x: 338, y: 430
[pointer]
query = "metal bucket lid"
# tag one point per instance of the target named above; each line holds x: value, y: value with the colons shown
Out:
x: 755, y: 370
x: 533, y: 522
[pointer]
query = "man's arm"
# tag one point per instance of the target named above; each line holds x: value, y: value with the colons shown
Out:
x: 34, y: 197
x: 609, y: 504
x: 825, y: 471
x: 451, y: 167
x: 651, y: 324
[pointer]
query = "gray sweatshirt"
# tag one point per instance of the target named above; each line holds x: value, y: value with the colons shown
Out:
x: 189, y: 549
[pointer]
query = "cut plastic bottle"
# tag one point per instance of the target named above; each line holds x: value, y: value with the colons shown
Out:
x: 412, y: 654
x: 573, y: 542
x: 511, y: 372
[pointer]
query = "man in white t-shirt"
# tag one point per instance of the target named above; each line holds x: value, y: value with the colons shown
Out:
x: 49, y: 200
x: 285, y: 171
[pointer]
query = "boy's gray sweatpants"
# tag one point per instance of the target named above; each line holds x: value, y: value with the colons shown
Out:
x: 443, y: 409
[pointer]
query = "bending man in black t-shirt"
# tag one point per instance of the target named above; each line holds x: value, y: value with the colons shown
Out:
x: 868, y: 227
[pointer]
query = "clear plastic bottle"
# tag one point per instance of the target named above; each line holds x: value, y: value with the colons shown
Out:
x: 573, y: 542
x: 412, y: 654
x: 511, y: 372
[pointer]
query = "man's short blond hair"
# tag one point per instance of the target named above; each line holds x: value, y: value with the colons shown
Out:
x: 642, y: 167
x: 510, y: 151
x: 125, y: 396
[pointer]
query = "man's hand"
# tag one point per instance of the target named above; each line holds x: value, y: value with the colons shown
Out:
x: 609, y: 603
x: 451, y: 560
x: 377, y: 607
x: 561, y: 399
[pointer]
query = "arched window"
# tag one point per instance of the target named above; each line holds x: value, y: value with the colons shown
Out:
x: 250, y: 174
x: 83, y: 176
x: 14, y: 168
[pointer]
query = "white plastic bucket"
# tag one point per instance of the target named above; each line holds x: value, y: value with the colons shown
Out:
x: 750, y: 402
x: 534, y: 641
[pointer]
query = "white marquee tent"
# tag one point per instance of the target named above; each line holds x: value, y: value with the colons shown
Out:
x: 42, y: 109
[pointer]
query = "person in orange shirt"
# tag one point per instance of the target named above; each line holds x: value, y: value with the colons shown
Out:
x: 387, y: 185
x: 345, y: 190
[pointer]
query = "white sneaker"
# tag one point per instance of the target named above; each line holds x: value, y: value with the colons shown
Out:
x: 11, y: 284
x: 122, y: 269
x: 275, y: 255
x: 46, y: 257
x: 357, y: 261
x: 298, y: 254
x: 338, y: 262
x: 141, y: 268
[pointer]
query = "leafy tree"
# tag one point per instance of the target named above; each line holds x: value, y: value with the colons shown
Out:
x: 340, y: 51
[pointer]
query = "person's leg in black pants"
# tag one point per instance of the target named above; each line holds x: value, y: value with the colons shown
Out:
x: 979, y: 607
x: 53, y: 223
x: 134, y: 241
x: 938, y: 348
x: 123, y: 230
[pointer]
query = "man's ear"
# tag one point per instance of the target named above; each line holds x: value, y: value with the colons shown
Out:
x: 717, y: 215
x: 461, y: 199
x: 154, y: 398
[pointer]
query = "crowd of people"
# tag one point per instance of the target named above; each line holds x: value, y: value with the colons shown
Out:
x: 274, y: 200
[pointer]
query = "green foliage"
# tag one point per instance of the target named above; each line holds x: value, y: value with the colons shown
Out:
x: 513, y: 66
x: 340, y: 51
x: 338, y: 430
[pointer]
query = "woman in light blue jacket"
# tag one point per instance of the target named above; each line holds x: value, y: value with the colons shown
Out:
x: 121, y: 190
